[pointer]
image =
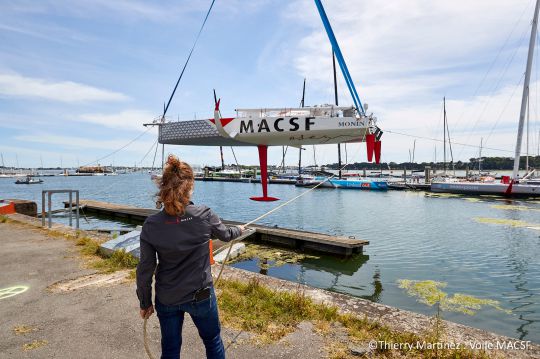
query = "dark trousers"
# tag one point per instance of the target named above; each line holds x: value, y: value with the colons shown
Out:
x: 205, y: 316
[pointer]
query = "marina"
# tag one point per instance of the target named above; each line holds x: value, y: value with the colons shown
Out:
x: 474, y: 243
x: 341, y: 241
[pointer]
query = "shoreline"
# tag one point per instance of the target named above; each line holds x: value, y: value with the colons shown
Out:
x: 394, y: 318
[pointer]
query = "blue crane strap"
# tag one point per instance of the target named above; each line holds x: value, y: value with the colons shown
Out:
x: 339, y: 56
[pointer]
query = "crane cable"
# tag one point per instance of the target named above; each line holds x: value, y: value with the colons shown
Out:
x: 146, y: 347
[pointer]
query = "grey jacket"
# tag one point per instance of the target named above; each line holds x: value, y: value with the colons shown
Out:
x: 181, y: 245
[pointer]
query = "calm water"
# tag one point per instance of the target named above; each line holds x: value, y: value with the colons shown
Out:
x: 412, y: 235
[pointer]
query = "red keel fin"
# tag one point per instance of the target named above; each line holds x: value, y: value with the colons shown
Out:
x: 263, y: 160
x: 370, y: 145
x: 378, y: 152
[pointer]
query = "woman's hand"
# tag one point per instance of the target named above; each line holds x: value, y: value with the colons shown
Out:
x: 242, y: 228
x: 146, y: 313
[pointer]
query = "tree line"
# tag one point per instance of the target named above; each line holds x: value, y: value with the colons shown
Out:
x: 488, y: 163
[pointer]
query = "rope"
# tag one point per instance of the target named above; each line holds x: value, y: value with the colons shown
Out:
x: 237, y: 164
x: 145, y: 335
x: 150, y: 150
x: 119, y: 149
x: 439, y: 140
x: 187, y: 60
x: 269, y: 213
x: 155, y: 153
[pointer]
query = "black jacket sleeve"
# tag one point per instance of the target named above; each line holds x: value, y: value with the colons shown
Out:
x: 145, y: 272
x: 221, y: 231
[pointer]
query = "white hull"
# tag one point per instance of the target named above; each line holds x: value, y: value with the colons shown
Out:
x: 270, y: 127
x: 521, y: 190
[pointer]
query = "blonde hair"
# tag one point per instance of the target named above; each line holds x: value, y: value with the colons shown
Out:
x: 175, y: 186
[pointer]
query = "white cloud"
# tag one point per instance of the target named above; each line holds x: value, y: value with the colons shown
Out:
x: 405, y: 56
x: 16, y: 85
x: 124, y: 10
x: 128, y: 119
x: 73, y: 142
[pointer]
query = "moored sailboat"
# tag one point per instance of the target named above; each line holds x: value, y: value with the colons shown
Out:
x: 510, y: 187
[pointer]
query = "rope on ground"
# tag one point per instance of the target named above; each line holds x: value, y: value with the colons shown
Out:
x: 145, y: 335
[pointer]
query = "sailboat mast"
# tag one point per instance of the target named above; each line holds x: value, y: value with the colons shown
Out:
x: 537, y: 145
x: 480, y: 157
x: 300, y: 149
x: 444, y: 136
x: 525, y: 91
x: 527, y: 136
x: 337, y: 104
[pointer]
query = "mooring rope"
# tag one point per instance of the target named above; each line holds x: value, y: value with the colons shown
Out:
x: 269, y: 213
x: 145, y: 335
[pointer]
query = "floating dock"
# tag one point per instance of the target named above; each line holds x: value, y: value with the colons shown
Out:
x: 245, y: 180
x: 303, y: 240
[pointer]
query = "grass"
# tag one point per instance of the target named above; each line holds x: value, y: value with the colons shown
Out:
x: 34, y: 345
x: 273, y: 314
x: 255, y: 308
x: 3, y: 219
x: 23, y: 329
x: 118, y: 260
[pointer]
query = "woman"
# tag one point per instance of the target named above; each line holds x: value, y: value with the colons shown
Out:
x: 179, y: 235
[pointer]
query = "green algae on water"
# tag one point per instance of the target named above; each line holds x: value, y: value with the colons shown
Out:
x: 429, y: 292
x: 507, y: 222
x: 514, y: 207
x: 271, y: 257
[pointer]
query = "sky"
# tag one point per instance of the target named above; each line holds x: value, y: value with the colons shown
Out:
x: 79, y: 78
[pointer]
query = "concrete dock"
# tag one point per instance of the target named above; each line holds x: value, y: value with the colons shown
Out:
x: 99, y: 320
x: 303, y: 240
x: 51, y: 310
